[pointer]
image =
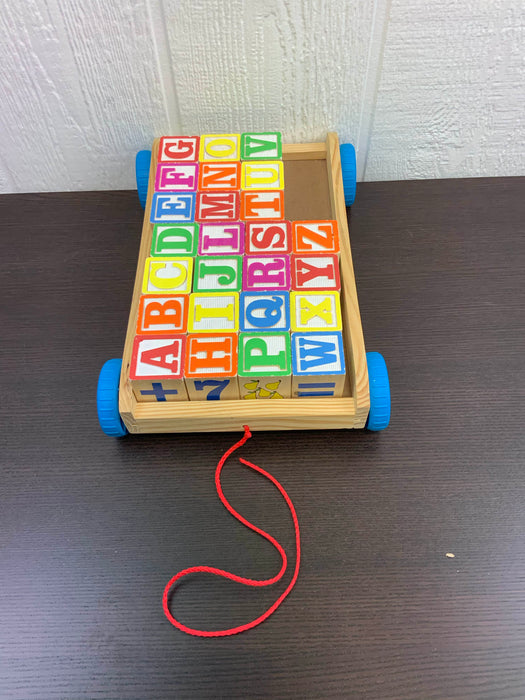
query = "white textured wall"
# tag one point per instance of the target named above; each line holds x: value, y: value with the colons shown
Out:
x: 423, y: 89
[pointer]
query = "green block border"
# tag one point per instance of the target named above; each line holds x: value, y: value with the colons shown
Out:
x: 178, y: 252
x: 279, y: 155
x: 220, y: 258
x: 258, y: 373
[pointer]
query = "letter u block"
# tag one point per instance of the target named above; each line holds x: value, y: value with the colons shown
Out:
x: 315, y: 237
x: 262, y: 205
x: 220, y: 147
x: 157, y: 368
x: 318, y: 365
x: 160, y: 315
x: 211, y: 367
x: 264, y: 311
x: 315, y: 272
x: 178, y: 148
x: 176, y: 177
x: 266, y: 272
x: 214, y: 313
x: 170, y: 240
x: 262, y: 175
x: 167, y: 275
x: 264, y: 365
x: 265, y: 145
x: 315, y: 311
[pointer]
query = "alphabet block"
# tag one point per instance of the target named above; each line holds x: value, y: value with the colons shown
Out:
x: 211, y: 367
x: 264, y: 365
x: 220, y: 176
x: 157, y: 368
x: 176, y: 177
x: 262, y: 175
x: 315, y: 272
x: 223, y: 238
x: 170, y: 240
x: 217, y: 206
x: 220, y: 147
x: 213, y: 313
x: 167, y: 275
x: 264, y: 311
x: 221, y: 273
x: 265, y: 237
x: 173, y: 207
x: 161, y: 315
x: 262, y: 205
x: 178, y: 148
x: 315, y: 311
x: 266, y: 272
x: 265, y: 145
x: 318, y: 363
x: 315, y: 237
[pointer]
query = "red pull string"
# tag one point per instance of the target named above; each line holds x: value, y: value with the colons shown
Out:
x: 234, y: 577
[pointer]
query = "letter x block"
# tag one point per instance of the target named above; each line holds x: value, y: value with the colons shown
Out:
x: 213, y: 313
x: 217, y: 206
x: 161, y: 315
x: 220, y: 273
x: 176, y: 177
x: 167, y: 275
x: 157, y: 368
x: 262, y: 175
x: 266, y: 272
x: 315, y: 272
x: 315, y: 311
x: 174, y: 239
x: 211, y: 367
x: 315, y: 237
x: 265, y: 145
x: 173, y: 207
x: 318, y: 364
x: 178, y: 148
x: 264, y: 311
x: 268, y: 237
x: 264, y: 365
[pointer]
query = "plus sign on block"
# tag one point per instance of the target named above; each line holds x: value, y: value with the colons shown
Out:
x: 157, y: 368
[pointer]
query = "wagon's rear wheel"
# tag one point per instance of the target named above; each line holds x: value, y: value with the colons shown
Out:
x: 107, y: 399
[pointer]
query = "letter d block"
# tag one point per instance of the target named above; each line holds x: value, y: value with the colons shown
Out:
x: 264, y: 365
x: 160, y: 315
x: 214, y: 313
x: 315, y: 311
x: 157, y: 368
x: 167, y: 276
x: 174, y: 239
x: 318, y: 363
x: 211, y: 367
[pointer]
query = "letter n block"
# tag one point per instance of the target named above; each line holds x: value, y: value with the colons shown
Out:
x: 220, y: 147
x: 266, y: 145
x: 268, y: 237
x: 315, y: 272
x: 315, y: 311
x: 220, y: 176
x: 318, y: 363
x: 173, y: 207
x: 217, y: 206
x: 162, y: 315
x: 264, y: 365
x: 167, y: 276
x: 266, y: 272
x: 170, y: 240
x: 258, y: 206
x: 315, y: 237
x: 176, y: 177
x: 220, y: 273
x: 262, y: 175
x: 178, y: 148
x: 157, y: 368
x: 214, y: 313
x: 264, y: 311
x: 211, y: 367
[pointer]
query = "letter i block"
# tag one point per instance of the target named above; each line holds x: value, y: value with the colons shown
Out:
x: 161, y: 315
x: 217, y: 206
x: 176, y: 177
x: 214, y: 313
x: 220, y: 273
x: 167, y: 276
x: 315, y: 272
x: 178, y: 148
x: 220, y: 147
x: 318, y: 362
x: 174, y: 239
x: 268, y: 237
x: 258, y: 206
x: 262, y: 175
x: 315, y: 237
x: 264, y: 311
x: 224, y: 238
x: 266, y: 272
x: 157, y: 368
x: 173, y: 207
x: 265, y: 366
x: 266, y: 145
x: 315, y: 311
x: 211, y: 367
x: 220, y: 176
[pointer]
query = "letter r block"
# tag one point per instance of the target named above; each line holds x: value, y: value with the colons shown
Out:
x: 266, y: 272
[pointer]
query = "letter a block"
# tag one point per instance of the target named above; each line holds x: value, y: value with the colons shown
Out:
x: 265, y: 145
x: 220, y: 176
x: 268, y: 237
x: 211, y: 367
x: 318, y: 365
x: 262, y: 205
x: 315, y: 311
x: 267, y: 272
x: 173, y: 207
x: 225, y: 238
x: 264, y: 365
x: 170, y: 240
x: 264, y: 311
x: 220, y: 147
x: 157, y: 368
x: 167, y: 275
x: 315, y: 272
x: 162, y: 315
x: 262, y: 175
x: 217, y: 206
x: 176, y: 177
x: 221, y: 273
x: 213, y: 313
x: 315, y: 237
x: 178, y: 148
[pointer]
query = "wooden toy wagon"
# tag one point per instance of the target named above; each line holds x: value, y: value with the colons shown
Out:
x: 245, y: 308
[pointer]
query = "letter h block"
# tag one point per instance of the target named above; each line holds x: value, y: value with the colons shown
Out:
x: 318, y: 363
x: 264, y: 366
x: 157, y: 368
x: 211, y: 367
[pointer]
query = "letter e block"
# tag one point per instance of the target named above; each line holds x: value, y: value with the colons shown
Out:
x: 268, y: 237
x: 157, y: 368
x: 220, y: 273
x: 167, y: 275
x: 315, y: 237
x: 220, y: 147
x: 211, y: 367
x: 213, y: 313
x: 262, y: 205
x: 315, y: 311
x: 170, y: 240
x: 162, y: 315
x: 266, y: 145
x: 173, y: 207
x: 315, y: 272
x: 318, y: 363
x: 264, y: 311
x: 264, y: 365
x: 266, y: 272
x: 178, y: 148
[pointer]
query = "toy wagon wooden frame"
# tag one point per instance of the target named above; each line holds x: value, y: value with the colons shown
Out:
x: 314, y: 190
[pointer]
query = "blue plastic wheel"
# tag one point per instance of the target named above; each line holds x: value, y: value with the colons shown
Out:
x: 142, y: 164
x: 379, y: 416
x: 349, y: 169
x: 107, y: 399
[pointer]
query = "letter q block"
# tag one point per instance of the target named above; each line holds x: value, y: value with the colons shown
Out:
x: 167, y: 275
x: 264, y: 311
x: 157, y: 368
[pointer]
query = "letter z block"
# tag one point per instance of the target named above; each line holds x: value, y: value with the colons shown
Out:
x: 223, y: 238
x: 262, y: 205
x: 176, y: 177
x: 170, y: 240
x: 315, y: 311
x: 264, y: 311
x: 173, y: 207
x: 315, y: 272
x: 217, y: 206
x: 264, y: 365
x: 220, y: 147
x: 266, y: 272
x: 315, y: 237
x: 157, y: 368
x: 167, y: 275
x: 214, y: 313
x: 262, y: 175
x: 268, y: 238
x: 220, y: 176
x: 162, y: 315
x: 211, y: 367
x: 220, y: 273
x: 265, y: 145
x: 318, y: 362
x: 178, y: 148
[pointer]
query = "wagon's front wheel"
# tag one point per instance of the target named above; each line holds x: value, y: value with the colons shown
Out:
x: 142, y: 165
x: 107, y: 399
x: 349, y: 170
x: 379, y: 416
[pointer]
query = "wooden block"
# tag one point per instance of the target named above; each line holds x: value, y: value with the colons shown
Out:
x: 172, y: 207
x: 262, y: 205
x: 178, y: 148
x: 265, y: 366
x: 318, y: 365
x: 315, y: 311
x: 157, y: 368
x: 176, y: 177
x: 162, y: 315
x: 266, y: 237
x: 217, y: 206
x: 167, y: 275
x: 220, y: 273
x: 220, y: 147
x: 315, y: 272
x: 213, y: 313
x: 262, y: 175
x: 220, y: 176
x: 266, y: 272
x: 265, y: 145
x: 315, y: 237
x: 264, y: 311
x: 226, y: 238
x: 170, y: 240
x: 211, y: 367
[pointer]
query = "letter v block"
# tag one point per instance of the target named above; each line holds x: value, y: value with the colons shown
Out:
x: 211, y: 367
x: 157, y: 368
x: 318, y: 365
x: 266, y: 145
x: 264, y: 365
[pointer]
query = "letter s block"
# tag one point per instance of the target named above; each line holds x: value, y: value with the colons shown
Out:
x: 178, y: 148
x: 268, y: 237
x: 157, y: 368
x: 318, y: 365
x: 211, y: 367
x: 167, y: 275
x: 160, y: 315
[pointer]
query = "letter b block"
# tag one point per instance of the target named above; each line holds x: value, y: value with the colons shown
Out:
x: 160, y: 315
x: 264, y: 365
x: 318, y: 365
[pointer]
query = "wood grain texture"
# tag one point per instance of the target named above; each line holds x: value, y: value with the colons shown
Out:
x: 450, y: 101
x: 92, y: 528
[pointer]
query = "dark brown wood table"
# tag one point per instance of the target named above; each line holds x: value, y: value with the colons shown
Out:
x: 92, y: 528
